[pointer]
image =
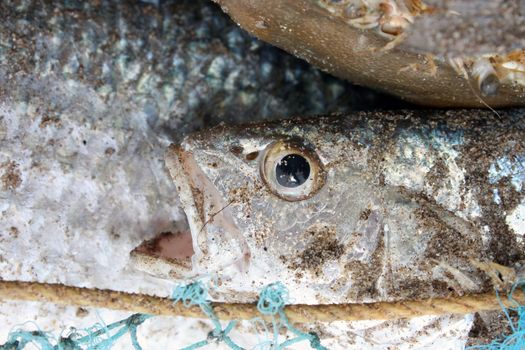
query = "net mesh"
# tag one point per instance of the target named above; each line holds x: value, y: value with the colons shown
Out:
x: 271, y: 303
x: 515, y: 340
x: 98, y: 337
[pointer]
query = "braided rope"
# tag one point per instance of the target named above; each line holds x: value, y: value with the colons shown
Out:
x: 65, y: 295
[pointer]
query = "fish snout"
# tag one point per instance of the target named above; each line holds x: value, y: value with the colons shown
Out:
x: 217, y: 240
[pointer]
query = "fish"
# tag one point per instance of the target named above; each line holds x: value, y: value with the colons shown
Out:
x: 434, y: 53
x: 359, y: 207
x: 185, y: 64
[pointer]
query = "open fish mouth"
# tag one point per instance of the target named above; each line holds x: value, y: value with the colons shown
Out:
x: 216, y: 241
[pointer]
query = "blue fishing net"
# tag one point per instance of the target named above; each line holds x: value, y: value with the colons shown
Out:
x: 272, y: 301
x: 515, y: 340
x: 98, y: 337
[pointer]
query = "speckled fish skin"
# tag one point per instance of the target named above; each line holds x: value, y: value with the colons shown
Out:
x: 409, y: 199
x: 184, y: 63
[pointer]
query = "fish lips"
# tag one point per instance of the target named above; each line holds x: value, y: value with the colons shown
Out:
x: 217, y: 240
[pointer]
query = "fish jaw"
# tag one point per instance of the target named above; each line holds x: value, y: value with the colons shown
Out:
x: 216, y: 238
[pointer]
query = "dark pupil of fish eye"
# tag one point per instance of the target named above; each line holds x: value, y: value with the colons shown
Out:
x: 292, y: 170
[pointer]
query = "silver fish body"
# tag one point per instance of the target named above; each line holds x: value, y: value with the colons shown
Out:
x: 185, y: 64
x: 356, y: 208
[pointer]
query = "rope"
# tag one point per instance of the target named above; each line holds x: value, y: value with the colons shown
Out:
x: 145, y: 304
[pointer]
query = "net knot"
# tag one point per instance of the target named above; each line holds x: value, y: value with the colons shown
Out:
x: 215, y: 336
x: 272, y: 299
x: 191, y: 294
x: 315, y: 342
x: 136, y: 320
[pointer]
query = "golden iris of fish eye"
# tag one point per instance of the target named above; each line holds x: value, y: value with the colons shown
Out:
x: 272, y: 158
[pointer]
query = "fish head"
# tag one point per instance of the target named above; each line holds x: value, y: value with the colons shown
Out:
x: 353, y: 208
x: 287, y: 200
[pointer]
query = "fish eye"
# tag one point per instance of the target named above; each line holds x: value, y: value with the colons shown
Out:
x: 291, y: 170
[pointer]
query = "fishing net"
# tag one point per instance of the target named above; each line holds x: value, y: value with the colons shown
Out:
x: 271, y: 303
x: 516, y: 340
x: 98, y: 337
